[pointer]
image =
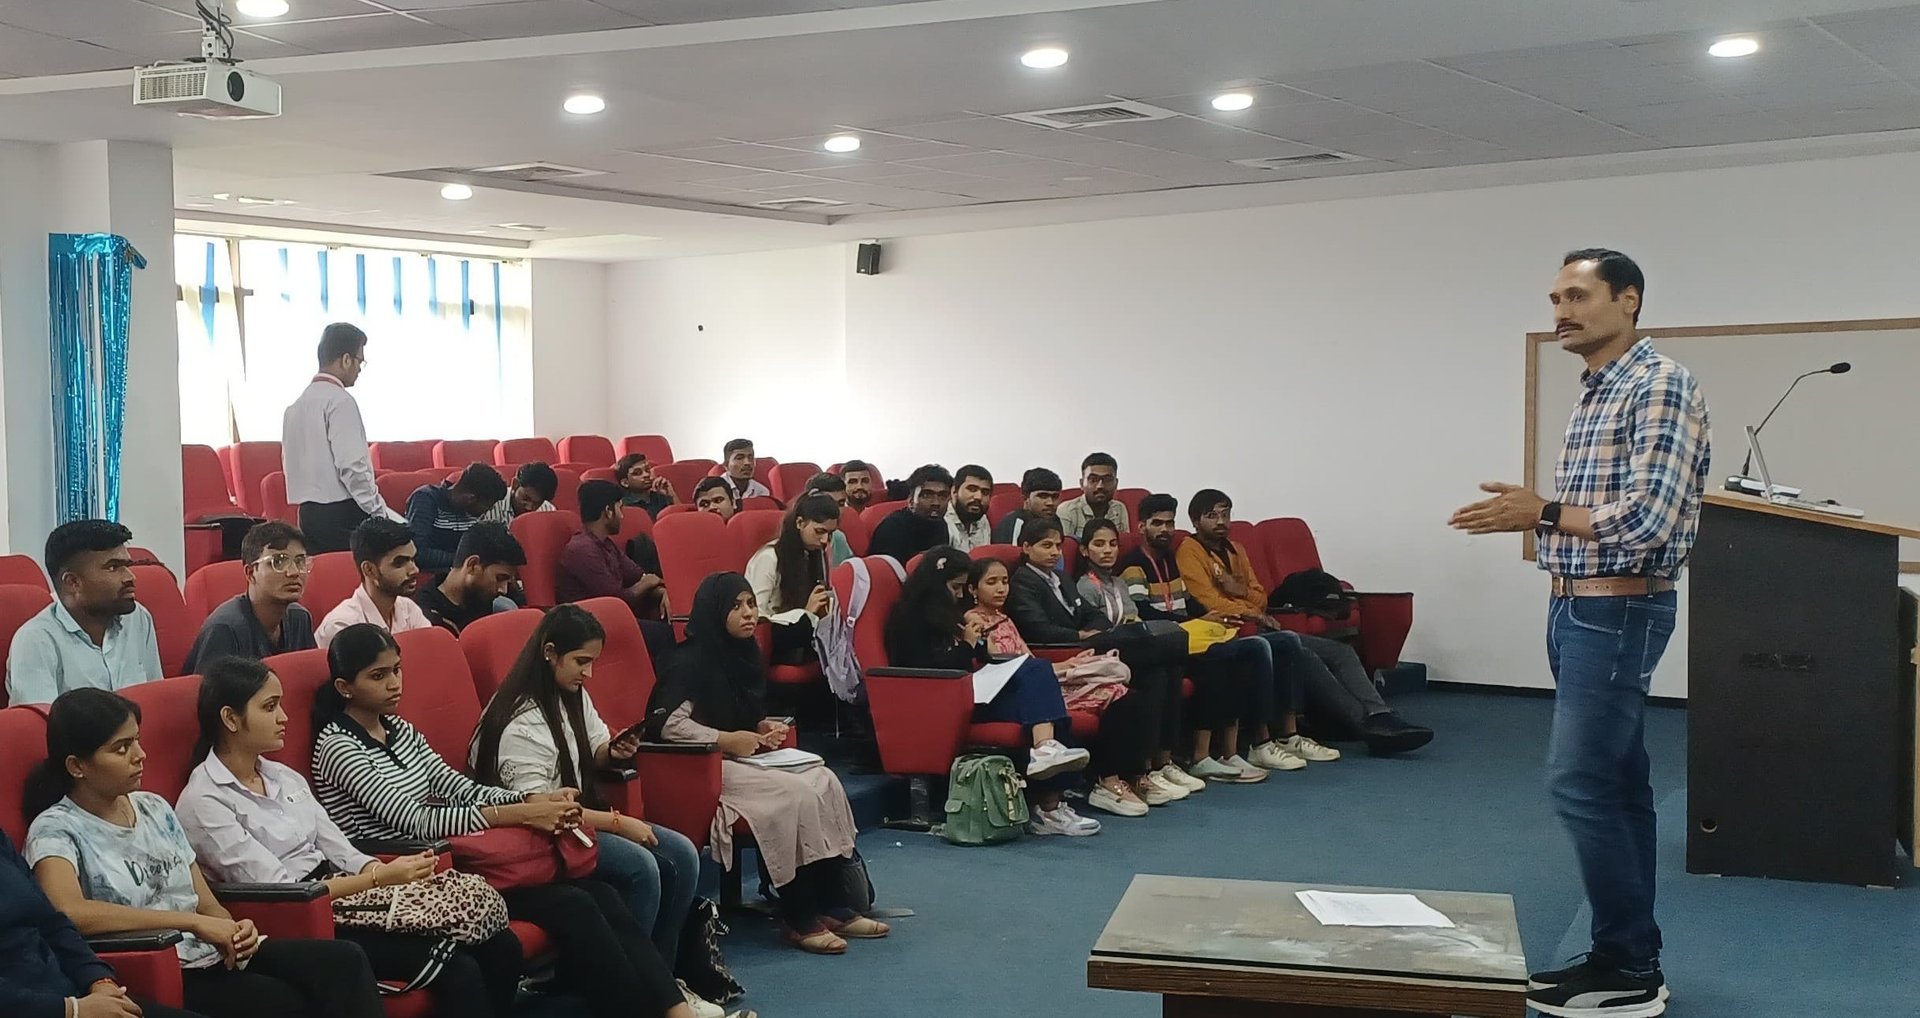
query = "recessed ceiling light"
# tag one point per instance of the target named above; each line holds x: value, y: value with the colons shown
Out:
x: 842, y: 143
x: 456, y: 192
x: 262, y: 8
x: 1735, y: 46
x: 584, y: 104
x: 1228, y: 102
x: 1044, y: 57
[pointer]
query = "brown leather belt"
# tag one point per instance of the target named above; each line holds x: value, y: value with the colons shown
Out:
x: 1610, y: 586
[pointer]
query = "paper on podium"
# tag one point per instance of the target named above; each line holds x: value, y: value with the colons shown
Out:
x: 1342, y: 908
x: 989, y: 680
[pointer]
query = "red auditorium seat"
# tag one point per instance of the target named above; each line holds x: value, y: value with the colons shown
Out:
x: 301, y: 673
x: 397, y: 487
x: 1381, y: 620
x: 517, y: 451
x: 590, y: 450
x: 760, y: 502
x: 174, y: 624
x: 18, y: 603
x: 599, y: 474
x: 1002, y: 503
x: 693, y: 545
x: 879, y: 476
x: 246, y: 464
x: 23, y: 569
x: 856, y: 529
x: 542, y: 536
x: 1006, y: 488
x: 1130, y: 497
x: 683, y: 475
x: 203, y: 485
x: 655, y: 448
x: 1008, y: 554
x: 633, y: 521
x: 566, y: 489
x: 790, y: 480
x: 169, y: 726
x: 273, y: 499
x: 877, y: 511
x: 674, y: 510
x: 212, y: 585
x: 751, y: 529
x: 460, y: 452
x: 334, y: 578
x: 493, y: 643
x: 437, y: 697
x: 401, y: 455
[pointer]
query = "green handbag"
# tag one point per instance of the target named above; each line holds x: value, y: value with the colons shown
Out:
x: 985, y: 805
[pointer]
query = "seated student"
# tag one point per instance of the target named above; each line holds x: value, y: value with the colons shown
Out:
x: 736, y: 465
x: 715, y: 691
x: 389, y: 576
x: 1042, y: 490
x: 967, y: 526
x: 1099, y: 480
x: 920, y: 524
x: 834, y: 488
x: 439, y: 513
x: 251, y: 820
x: 1045, y: 610
x: 115, y: 860
x: 929, y: 629
x: 714, y: 495
x: 591, y: 565
x: 94, y: 635
x: 379, y: 779
x: 268, y: 619
x: 640, y: 487
x: 532, y: 491
x: 789, y: 576
x: 540, y: 734
x: 861, y: 482
x: 1338, y: 691
x: 485, y: 566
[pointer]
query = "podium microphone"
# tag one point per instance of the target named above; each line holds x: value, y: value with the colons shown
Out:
x: 1744, y: 482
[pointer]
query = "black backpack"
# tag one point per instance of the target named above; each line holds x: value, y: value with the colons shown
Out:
x: 1312, y: 591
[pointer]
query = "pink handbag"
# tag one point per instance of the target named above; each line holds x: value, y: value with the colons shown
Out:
x: 1092, y: 684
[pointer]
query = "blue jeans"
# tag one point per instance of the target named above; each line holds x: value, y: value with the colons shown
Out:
x: 657, y: 882
x: 1271, y: 687
x: 1603, y: 651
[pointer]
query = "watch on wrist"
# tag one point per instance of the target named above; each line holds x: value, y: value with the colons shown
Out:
x: 1549, y: 518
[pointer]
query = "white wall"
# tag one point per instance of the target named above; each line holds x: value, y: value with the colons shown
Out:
x: 568, y: 334
x: 1358, y: 363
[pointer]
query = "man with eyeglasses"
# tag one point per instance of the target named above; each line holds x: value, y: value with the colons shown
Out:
x: 268, y: 619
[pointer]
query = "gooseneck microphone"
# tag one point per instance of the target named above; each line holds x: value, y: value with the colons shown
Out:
x: 1840, y: 368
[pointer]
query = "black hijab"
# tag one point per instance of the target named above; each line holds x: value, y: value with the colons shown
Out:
x: 722, y: 675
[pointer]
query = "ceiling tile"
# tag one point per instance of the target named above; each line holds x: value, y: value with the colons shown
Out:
x: 437, y: 5
x: 1200, y: 104
x: 1397, y: 88
x: 1889, y: 38
x: 674, y: 12
x: 368, y: 31
x: 514, y: 20
x: 985, y: 132
x: 302, y: 10
x: 1201, y: 138
x: 30, y: 54
x: 77, y: 19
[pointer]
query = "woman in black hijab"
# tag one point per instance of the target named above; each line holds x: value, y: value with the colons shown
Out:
x: 715, y: 691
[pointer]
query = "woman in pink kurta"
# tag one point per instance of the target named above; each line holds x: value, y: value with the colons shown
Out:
x: 715, y: 692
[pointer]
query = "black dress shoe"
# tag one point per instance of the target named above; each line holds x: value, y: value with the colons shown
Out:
x: 1387, y: 734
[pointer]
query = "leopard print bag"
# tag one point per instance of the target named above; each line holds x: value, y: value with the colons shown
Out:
x: 456, y: 906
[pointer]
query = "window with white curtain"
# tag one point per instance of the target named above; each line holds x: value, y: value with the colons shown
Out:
x: 446, y: 350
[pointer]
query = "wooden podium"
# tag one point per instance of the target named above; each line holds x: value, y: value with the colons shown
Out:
x: 1800, y: 703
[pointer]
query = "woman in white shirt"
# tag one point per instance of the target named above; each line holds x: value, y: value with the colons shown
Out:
x: 540, y: 734
x: 789, y: 575
x: 252, y: 820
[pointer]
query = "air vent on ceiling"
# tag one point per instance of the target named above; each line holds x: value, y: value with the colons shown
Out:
x: 797, y: 204
x: 1289, y: 162
x: 531, y: 173
x: 1095, y: 115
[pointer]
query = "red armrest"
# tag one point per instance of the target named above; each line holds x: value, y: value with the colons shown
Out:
x: 1385, y: 620
x: 619, y: 788
x: 685, y: 781
x: 298, y: 911
x: 147, y: 964
x: 920, y: 717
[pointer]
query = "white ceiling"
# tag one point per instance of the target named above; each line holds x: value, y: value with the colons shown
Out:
x: 707, y: 120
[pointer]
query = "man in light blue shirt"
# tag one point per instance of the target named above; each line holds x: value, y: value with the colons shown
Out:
x: 94, y: 635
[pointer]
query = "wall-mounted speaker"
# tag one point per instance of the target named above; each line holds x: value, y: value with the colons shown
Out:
x: 867, y: 262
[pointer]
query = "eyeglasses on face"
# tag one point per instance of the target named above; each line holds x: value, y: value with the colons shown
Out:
x: 285, y: 562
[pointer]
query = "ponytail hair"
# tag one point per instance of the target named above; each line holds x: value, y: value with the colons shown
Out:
x: 78, y: 724
x: 226, y: 682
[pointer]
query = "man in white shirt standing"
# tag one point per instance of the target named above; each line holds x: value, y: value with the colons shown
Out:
x: 323, y: 447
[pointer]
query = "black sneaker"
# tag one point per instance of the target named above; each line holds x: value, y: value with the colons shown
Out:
x: 1386, y: 735
x: 1586, y: 966
x: 1594, y: 992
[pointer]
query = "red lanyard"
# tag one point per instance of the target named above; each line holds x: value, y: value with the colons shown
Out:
x: 1166, y: 585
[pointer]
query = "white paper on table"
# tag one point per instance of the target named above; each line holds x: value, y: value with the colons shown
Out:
x: 989, y: 680
x: 1344, y: 908
x: 782, y: 758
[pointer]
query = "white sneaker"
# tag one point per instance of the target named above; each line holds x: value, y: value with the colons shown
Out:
x: 1063, y: 820
x: 1309, y: 750
x: 1209, y: 769
x: 1176, y: 792
x: 1051, y: 757
x: 1152, y: 793
x: 1273, y: 756
x: 700, y: 1008
x: 1104, y: 798
x: 1249, y: 774
x: 1173, y: 775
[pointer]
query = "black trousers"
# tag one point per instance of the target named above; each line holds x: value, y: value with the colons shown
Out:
x: 1148, y: 717
x: 817, y: 889
x: 329, y: 525
x: 290, y: 978
x: 606, y: 958
x: 481, y: 979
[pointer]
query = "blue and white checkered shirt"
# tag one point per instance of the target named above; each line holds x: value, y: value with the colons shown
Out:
x: 1636, y: 458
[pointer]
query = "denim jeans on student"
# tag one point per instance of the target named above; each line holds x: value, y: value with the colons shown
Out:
x: 1270, y: 683
x: 657, y: 882
x: 1603, y: 651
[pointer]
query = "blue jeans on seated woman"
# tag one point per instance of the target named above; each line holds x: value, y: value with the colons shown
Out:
x: 656, y: 881
x: 1031, y: 697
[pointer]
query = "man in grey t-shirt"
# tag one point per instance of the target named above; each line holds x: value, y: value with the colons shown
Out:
x: 268, y: 619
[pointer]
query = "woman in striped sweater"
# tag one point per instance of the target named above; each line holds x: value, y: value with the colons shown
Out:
x: 378, y: 778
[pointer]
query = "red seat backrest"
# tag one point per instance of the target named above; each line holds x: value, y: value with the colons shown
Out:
x: 401, y: 455
x: 1130, y: 497
x: 751, y: 529
x: 174, y: 624
x: 247, y: 463
x: 683, y: 475
x: 23, y: 745
x: 169, y: 726
x: 693, y: 546
x: 400, y: 485
x: 1006, y: 488
x: 592, y: 450
x: 760, y: 502
x: 870, y: 629
x: 655, y: 448
x: 437, y: 692
x: 1070, y: 554
x: 877, y: 511
x: 214, y: 584
x: 674, y: 509
x: 1002, y: 503
x: 1288, y: 546
x: 273, y: 499
x: 566, y: 493
x: 633, y: 520
x: 1007, y: 553
x: 493, y: 643
x: 623, y: 677
x: 203, y: 485
x: 301, y: 673
x: 525, y: 450
x: 334, y: 578
x: 460, y: 452
x: 18, y: 603
x: 543, y: 536
x: 23, y: 570
x: 790, y: 480
x: 856, y: 529
x: 599, y: 474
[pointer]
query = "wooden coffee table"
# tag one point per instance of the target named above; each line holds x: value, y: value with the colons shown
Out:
x: 1246, y: 948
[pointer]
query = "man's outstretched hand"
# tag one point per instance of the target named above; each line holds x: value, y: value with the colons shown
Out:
x: 1512, y: 509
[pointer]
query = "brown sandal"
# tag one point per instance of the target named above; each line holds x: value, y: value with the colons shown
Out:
x: 819, y: 941
x: 858, y: 928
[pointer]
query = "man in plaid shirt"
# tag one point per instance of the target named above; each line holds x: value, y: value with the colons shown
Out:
x: 1624, y: 515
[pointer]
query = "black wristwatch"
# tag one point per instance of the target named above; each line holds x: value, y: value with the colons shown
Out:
x: 1549, y: 518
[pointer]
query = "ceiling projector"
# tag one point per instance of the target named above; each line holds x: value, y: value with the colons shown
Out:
x: 213, y: 89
